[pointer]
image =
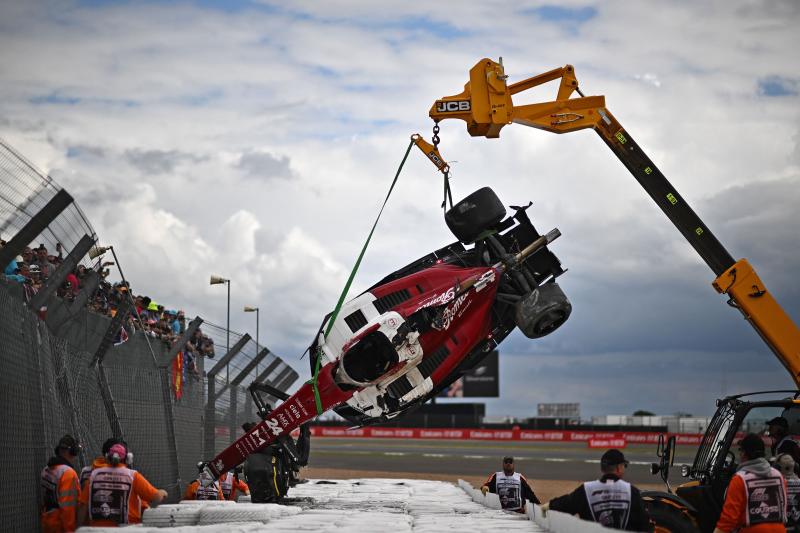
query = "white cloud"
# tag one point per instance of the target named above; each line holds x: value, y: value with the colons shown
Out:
x: 155, y: 116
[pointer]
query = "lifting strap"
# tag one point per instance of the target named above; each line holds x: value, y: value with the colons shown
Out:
x: 338, y: 307
x: 447, y: 194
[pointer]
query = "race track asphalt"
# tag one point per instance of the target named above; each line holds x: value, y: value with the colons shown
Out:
x: 554, y: 460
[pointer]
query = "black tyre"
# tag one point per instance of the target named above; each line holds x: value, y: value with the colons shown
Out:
x: 478, y: 212
x: 669, y: 518
x: 542, y: 311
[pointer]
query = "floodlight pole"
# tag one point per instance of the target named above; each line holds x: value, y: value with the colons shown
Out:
x: 248, y: 309
x: 216, y: 280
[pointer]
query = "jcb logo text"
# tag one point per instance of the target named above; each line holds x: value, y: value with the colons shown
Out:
x: 452, y: 106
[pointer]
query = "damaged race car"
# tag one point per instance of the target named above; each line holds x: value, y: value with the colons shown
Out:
x: 422, y: 327
x: 415, y: 332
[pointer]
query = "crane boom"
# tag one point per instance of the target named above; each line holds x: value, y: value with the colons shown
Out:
x: 486, y: 106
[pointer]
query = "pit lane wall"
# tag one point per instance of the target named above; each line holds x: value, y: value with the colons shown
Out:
x: 603, y: 439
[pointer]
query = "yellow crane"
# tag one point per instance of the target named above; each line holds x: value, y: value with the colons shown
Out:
x: 486, y: 105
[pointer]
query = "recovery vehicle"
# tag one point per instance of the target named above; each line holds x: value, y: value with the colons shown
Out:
x: 486, y: 106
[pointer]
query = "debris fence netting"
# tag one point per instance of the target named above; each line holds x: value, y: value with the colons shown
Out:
x: 48, y: 388
x: 51, y: 385
x: 233, y: 403
x: 24, y: 191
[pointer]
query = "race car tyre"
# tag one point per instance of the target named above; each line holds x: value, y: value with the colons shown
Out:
x: 478, y: 212
x: 669, y: 518
x: 171, y: 516
x: 542, y: 311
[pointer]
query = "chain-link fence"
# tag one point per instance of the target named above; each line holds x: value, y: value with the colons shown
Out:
x: 24, y: 191
x: 233, y: 404
x: 48, y: 387
x: 59, y: 375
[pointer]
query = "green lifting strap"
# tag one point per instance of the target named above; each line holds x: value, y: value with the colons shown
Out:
x: 338, y: 307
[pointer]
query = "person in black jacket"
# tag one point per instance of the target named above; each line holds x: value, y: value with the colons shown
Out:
x: 271, y: 471
x: 782, y: 441
x: 609, y: 501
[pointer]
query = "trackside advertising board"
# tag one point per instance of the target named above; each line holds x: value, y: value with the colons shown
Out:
x: 530, y: 435
x: 483, y: 381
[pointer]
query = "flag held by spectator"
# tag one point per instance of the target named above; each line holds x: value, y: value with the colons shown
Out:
x: 177, y: 376
x: 121, y: 337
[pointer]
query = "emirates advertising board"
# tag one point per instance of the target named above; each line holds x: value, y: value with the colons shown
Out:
x: 483, y: 381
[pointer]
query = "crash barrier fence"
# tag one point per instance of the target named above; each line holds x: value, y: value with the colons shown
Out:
x: 50, y: 386
x: 24, y: 193
x: 616, y: 439
x: 553, y: 521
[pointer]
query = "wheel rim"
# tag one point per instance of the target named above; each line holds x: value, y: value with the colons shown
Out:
x: 550, y: 322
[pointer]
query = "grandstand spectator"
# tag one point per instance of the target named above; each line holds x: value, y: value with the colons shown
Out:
x: 27, y: 255
x: 34, y: 266
x: 75, y: 285
x: 174, y: 323
x: 13, y: 270
x: 35, y: 274
x: 82, y: 273
x: 45, y: 266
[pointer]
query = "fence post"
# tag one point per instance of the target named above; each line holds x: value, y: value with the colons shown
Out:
x: 210, y: 420
x: 267, y: 371
x: 123, y: 310
x: 211, y: 400
x: 35, y: 226
x: 97, y: 362
x: 108, y: 401
x: 91, y: 282
x: 288, y: 377
x: 60, y: 274
x: 232, y: 409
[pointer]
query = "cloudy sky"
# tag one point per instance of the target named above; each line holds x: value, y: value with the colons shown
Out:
x: 256, y: 140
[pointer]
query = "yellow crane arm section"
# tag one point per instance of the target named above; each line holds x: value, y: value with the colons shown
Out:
x: 486, y: 106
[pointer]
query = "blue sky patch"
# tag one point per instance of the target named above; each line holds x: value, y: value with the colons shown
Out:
x: 437, y: 28
x: 54, y: 98
x: 564, y: 16
x: 222, y: 5
x: 201, y: 98
x: 325, y: 72
x: 777, y: 86
x: 57, y: 98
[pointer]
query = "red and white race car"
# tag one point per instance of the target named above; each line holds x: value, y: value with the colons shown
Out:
x: 422, y: 327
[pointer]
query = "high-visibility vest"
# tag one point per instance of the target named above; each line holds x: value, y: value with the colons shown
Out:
x: 109, y: 493
x: 49, y: 482
x: 509, y: 489
x: 211, y: 492
x: 227, y: 485
x: 793, y: 503
x: 765, y: 497
x: 609, y: 502
x: 86, y: 473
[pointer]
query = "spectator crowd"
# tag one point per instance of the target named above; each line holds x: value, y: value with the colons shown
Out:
x: 35, y: 265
